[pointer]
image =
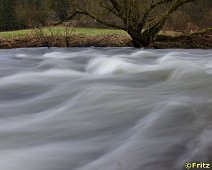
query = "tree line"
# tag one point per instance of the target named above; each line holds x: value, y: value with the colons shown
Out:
x: 19, y: 14
x: 142, y: 19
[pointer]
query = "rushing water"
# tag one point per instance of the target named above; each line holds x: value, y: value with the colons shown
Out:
x: 105, y: 109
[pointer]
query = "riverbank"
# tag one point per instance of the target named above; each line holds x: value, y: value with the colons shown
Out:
x: 203, y: 40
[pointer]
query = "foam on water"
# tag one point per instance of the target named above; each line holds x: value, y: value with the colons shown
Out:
x: 104, y: 109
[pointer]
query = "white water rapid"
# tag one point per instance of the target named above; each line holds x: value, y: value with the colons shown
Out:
x: 105, y: 109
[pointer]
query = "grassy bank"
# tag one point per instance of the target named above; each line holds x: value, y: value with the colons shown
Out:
x: 59, y: 31
x: 85, y: 37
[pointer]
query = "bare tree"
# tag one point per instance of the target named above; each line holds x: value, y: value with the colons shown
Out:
x: 141, y: 19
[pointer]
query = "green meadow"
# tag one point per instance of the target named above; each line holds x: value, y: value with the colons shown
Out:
x: 60, y: 31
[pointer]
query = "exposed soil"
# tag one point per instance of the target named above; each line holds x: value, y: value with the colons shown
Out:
x: 192, y: 41
x: 199, y: 40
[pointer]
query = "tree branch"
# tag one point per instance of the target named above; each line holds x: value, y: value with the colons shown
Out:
x: 67, y: 19
x: 114, y: 12
x: 153, y: 5
x: 99, y: 20
x: 159, y: 25
x: 116, y: 5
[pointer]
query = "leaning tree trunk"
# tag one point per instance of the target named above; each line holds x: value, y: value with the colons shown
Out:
x: 139, y: 39
x: 145, y: 38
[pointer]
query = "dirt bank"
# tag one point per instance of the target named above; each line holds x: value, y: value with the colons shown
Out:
x: 194, y: 41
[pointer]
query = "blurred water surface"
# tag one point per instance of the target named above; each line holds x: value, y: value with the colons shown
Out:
x: 104, y: 108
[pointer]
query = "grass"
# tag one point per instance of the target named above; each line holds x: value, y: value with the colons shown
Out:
x: 60, y: 31
x: 170, y: 33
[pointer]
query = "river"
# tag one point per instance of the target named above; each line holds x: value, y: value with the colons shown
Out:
x: 105, y: 108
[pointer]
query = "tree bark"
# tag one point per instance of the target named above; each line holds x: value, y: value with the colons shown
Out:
x: 138, y: 39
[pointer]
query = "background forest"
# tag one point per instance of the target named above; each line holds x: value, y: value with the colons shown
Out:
x: 22, y: 14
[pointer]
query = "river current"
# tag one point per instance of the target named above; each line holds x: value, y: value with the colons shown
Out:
x: 105, y: 108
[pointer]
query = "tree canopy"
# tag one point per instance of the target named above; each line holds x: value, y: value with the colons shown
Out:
x: 141, y: 19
